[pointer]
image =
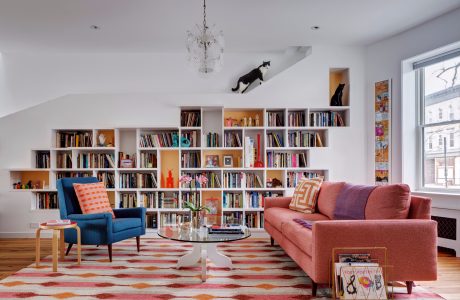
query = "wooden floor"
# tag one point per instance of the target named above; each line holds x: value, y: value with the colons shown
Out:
x: 16, y: 254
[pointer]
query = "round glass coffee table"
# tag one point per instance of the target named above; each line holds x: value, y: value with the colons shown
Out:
x: 204, y: 245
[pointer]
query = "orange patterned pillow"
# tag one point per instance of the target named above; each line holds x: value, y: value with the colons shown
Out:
x: 93, y: 198
x: 305, y: 195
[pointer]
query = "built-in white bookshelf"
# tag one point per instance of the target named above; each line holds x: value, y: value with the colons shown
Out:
x: 237, y: 186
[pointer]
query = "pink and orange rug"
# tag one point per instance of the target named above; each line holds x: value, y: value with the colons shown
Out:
x: 261, y: 272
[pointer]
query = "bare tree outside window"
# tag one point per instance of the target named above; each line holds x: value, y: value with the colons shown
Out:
x: 441, y: 96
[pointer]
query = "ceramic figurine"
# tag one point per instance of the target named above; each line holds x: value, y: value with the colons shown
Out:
x: 250, y: 122
x: 257, y: 121
x: 244, y: 121
x: 170, y: 180
x: 101, y: 139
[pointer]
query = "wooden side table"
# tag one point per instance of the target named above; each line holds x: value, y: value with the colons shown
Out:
x: 55, y: 245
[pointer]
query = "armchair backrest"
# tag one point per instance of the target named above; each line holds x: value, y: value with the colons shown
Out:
x: 68, y: 202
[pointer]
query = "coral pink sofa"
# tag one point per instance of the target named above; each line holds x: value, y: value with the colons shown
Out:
x: 393, y: 219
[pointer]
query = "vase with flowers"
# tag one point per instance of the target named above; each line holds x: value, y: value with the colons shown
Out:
x: 196, y: 209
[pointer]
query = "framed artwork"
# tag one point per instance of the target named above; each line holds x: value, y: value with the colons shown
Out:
x: 212, y: 161
x: 382, y: 146
x: 228, y: 161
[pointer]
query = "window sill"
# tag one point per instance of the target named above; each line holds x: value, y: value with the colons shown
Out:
x: 453, y: 193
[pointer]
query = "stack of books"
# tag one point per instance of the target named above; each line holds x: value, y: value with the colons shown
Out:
x: 225, y: 229
x: 58, y: 222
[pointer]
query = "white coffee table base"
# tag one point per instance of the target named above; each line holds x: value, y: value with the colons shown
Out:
x: 204, y: 251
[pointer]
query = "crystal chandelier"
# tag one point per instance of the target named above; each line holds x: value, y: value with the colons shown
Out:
x: 205, y: 47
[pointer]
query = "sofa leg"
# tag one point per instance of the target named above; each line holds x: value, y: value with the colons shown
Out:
x: 272, y: 241
x: 68, y: 249
x: 314, y: 287
x: 409, y: 285
x: 110, y: 251
x: 138, y: 243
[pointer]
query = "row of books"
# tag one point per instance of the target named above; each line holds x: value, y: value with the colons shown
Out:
x: 46, y: 201
x: 237, y: 180
x: 170, y: 201
x: 252, y: 180
x: 151, y: 221
x: 66, y: 139
x: 149, y: 200
x: 252, y: 220
x: 137, y: 180
x: 159, y: 140
x: 293, y: 178
x: 95, y: 160
x: 213, y: 180
x: 232, y: 200
x: 232, y: 139
x: 172, y: 218
x: 327, y: 118
x: 190, y: 119
x: 42, y: 160
x: 191, y: 160
x: 304, y: 139
x: 296, y: 119
x: 192, y: 137
x: 234, y: 217
x: 128, y: 200
x: 257, y: 199
x: 286, y: 160
x: 148, y: 160
x: 212, y: 140
x: 232, y: 180
x: 64, y: 160
x: 275, y: 119
x: 191, y: 197
x: 274, y: 140
x: 107, y: 178
x: 60, y: 175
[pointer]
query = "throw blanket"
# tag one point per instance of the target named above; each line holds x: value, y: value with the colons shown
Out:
x: 351, y: 202
x: 305, y: 223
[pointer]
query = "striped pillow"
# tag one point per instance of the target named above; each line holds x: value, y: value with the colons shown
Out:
x: 93, y: 198
x: 305, y: 195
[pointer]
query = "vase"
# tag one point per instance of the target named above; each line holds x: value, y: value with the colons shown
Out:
x: 195, y: 219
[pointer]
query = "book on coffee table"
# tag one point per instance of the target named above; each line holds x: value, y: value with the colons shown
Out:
x: 225, y: 229
x: 57, y: 222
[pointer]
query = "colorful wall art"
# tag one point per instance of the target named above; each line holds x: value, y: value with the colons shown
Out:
x: 382, y: 110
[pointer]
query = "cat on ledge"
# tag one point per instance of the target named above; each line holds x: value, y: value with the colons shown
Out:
x: 245, y: 81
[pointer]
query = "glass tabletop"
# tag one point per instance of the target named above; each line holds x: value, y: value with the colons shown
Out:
x: 187, y: 234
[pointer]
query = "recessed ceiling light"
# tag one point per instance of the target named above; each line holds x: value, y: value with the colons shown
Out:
x: 314, y: 28
x: 95, y: 27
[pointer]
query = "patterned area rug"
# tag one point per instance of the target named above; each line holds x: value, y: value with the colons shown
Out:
x: 260, y: 272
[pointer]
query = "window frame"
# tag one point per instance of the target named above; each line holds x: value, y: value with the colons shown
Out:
x: 421, y: 127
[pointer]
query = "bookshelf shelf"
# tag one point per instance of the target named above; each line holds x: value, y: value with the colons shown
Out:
x: 235, y: 180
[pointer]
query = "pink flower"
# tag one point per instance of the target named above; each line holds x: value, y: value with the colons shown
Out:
x: 203, y: 180
x: 185, y: 179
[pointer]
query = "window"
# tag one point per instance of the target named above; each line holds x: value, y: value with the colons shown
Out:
x: 439, y: 82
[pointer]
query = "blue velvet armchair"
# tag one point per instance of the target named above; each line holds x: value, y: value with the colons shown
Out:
x: 100, y: 228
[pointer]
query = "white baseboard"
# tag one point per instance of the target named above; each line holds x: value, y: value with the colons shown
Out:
x: 24, y: 235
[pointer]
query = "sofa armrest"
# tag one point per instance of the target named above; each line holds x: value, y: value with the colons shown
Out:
x: 411, y: 245
x: 88, y: 217
x: 277, y: 202
x: 101, y: 222
x: 134, y: 212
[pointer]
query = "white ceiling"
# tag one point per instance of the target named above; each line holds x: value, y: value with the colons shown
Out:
x: 160, y: 25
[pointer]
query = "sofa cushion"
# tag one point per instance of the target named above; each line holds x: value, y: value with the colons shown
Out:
x: 305, y: 195
x: 300, y: 236
x: 276, y: 216
x: 93, y: 198
x: 328, y: 196
x: 121, y: 224
x: 388, y: 202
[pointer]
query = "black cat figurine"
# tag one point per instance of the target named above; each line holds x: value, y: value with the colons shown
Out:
x: 245, y: 81
x: 336, y: 99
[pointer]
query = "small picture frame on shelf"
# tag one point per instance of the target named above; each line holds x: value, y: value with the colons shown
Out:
x: 228, y: 161
x: 212, y: 161
x: 126, y: 163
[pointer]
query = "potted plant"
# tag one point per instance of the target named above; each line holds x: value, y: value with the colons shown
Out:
x: 195, y: 209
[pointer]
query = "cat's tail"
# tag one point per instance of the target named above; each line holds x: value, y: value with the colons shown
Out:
x: 236, y: 88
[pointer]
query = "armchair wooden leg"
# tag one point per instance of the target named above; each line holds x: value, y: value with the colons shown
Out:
x: 138, y: 243
x: 110, y: 251
x: 68, y: 249
x: 314, y: 288
x: 272, y: 241
x: 409, y: 285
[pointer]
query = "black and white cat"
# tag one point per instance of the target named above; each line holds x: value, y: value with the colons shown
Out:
x: 245, y: 81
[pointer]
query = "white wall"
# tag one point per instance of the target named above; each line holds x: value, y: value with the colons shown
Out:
x: 383, y: 61
x: 146, y: 90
